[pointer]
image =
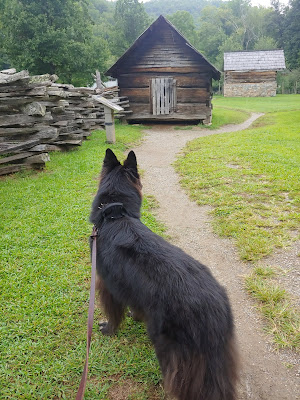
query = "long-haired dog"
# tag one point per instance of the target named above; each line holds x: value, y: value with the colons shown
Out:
x: 187, y: 312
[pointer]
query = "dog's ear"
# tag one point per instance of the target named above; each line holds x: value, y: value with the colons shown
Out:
x: 130, y: 162
x: 110, y: 160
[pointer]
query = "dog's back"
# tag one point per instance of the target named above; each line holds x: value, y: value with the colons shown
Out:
x: 187, y: 312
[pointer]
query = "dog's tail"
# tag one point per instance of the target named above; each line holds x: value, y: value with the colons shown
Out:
x: 201, y: 376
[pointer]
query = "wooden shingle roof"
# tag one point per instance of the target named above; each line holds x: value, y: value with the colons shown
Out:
x: 260, y: 60
x: 148, y: 33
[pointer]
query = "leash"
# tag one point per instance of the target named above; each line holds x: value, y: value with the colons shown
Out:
x: 82, y: 385
x: 110, y: 211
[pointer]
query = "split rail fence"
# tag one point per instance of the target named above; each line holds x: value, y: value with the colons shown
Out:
x: 38, y: 116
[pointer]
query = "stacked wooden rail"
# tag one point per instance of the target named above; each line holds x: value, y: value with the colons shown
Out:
x: 38, y: 115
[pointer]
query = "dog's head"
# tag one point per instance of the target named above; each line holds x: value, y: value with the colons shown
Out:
x: 119, y: 184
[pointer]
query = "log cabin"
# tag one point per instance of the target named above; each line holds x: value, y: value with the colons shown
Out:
x: 252, y: 73
x: 165, y: 77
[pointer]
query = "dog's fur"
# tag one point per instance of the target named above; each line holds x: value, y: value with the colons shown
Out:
x: 187, y: 312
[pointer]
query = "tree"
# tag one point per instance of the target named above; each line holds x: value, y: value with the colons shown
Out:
x: 275, y: 22
x: 52, y: 36
x: 131, y: 20
x: 232, y: 26
x: 4, y: 61
x: 291, y: 34
x: 184, y: 22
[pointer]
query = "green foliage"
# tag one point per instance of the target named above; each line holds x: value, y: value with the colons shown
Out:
x: 52, y: 37
x: 131, y: 20
x: 234, y: 25
x: 164, y: 7
x: 265, y: 42
x: 72, y: 38
x: 289, y: 81
x: 291, y: 34
x: 184, y: 22
x: 45, y: 278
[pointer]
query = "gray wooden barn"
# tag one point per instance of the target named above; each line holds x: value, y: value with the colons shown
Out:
x: 165, y: 77
x: 252, y: 73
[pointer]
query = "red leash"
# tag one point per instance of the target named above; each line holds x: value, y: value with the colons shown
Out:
x: 82, y: 385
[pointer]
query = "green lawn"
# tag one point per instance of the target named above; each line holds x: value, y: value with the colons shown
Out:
x: 44, y: 280
x: 234, y: 110
x: 250, y: 178
x: 281, y: 102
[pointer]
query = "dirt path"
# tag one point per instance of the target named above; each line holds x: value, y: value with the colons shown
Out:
x: 265, y: 375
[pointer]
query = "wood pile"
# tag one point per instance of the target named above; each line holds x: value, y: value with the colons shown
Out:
x: 123, y: 101
x: 38, y: 115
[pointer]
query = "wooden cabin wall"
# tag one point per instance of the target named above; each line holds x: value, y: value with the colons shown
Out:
x: 193, y: 95
x: 250, y: 84
x: 165, y: 55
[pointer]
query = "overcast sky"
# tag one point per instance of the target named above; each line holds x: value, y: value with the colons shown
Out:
x: 265, y: 3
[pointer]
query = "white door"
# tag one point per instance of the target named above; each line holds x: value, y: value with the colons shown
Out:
x: 163, y: 92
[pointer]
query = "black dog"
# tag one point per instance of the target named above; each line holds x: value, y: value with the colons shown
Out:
x: 187, y: 312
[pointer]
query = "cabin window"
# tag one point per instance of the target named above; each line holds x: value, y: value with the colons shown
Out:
x: 163, y: 96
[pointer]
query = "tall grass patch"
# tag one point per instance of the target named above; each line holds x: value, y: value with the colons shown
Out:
x: 45, y: 278
x: 283, y: 322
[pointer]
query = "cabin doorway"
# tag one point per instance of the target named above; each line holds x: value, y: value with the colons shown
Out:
x: 163, y: 96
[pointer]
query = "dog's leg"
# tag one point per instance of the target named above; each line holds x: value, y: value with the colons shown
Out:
x: 112, y: 309
x: 136, y: 315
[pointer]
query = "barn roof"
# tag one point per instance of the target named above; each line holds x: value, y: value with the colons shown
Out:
x: 140, y: 40
x: 254, y: 60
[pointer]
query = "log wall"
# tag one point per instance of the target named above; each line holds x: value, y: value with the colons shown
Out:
x: 250, y: 84
x: 38, y: 116
x: 165, y: 55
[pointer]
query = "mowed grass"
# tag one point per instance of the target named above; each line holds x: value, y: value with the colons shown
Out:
x: 281, y: 102
x: 45, y: 279
x: 222, y: 116
x: 235, y: 110
x: 251, y: 180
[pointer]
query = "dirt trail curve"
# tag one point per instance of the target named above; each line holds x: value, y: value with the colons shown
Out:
x: 264, y: 374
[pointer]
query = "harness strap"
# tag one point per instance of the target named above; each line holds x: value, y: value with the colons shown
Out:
x: 82, y: 385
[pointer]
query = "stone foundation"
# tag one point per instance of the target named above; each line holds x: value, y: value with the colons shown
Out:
x: 262, y: 89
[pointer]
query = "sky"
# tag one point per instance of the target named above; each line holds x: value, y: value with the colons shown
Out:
x: 264, y: 3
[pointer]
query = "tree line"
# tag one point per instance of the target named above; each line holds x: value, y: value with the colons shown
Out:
x: 73, y: 38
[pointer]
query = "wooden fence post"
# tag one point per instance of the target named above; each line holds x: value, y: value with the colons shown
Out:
x: 109, y: 125
x: 109, y: 108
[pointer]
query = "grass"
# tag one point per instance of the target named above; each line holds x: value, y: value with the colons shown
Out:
x: 223, y: 116
x: 251, y: 180
x: 44, y: 280
x: 283, y: 322
x: 281, y: 102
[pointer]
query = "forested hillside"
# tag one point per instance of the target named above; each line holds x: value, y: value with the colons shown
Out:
x: 74, y: 37
x: 164, y: 7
